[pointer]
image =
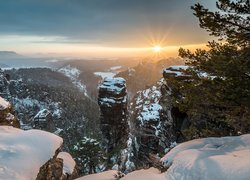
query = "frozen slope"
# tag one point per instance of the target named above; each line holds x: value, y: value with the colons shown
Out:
x: 22, y: 153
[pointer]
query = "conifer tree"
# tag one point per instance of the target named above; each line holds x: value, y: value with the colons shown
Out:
x: 89, y: 155
x: 217, y: 99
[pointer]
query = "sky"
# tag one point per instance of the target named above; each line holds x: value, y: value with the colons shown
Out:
x: 99, y: 28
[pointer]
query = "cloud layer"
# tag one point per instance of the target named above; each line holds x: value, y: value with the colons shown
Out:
x: 103, y: 22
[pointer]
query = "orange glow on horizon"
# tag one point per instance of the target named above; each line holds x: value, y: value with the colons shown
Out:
x: 78, y: 51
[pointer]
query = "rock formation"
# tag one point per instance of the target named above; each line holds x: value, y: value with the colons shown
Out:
x: 113, y: 105
x: 155, y: 124
x: 58, y: 168
x: 44, y: 120
x: 6, y: 114
x: 53, y: 169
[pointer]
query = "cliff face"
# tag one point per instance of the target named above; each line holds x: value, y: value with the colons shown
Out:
x: 112, y: 100
x: 151, y: 127
x: 180, y: 120
x: 59, y: 167
x: 155, y: 124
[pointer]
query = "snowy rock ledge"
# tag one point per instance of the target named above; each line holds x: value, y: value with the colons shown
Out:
x: 112, y: 92
x: 68, y: 163
x: 175, y: 71
x: 225, y: 158
x: 22, y: 153
x: 6, y: 114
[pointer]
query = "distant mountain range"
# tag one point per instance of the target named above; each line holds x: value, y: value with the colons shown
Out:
x: 11, y: 59
x: 10, y: 54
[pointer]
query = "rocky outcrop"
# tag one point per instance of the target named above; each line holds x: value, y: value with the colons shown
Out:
x: 155, y: 124
x: 148, y: 125
x: 113, y: 105
x: 7, y: 116
x: 169, y: 94
x: 44, y: 120
x: 53, y: 169
x: 58, y: 168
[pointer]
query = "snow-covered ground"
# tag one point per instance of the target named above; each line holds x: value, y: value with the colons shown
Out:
x: 115, y: 68
x: 107, y: 175
x: 145, y: 174
x: 104, y: 75
x: 22, y: 153
x: 111, y: 72
x: 73, y: 74
x: 226, y: 158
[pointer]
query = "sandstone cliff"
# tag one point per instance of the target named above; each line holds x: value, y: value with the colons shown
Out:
x: 113, y: 105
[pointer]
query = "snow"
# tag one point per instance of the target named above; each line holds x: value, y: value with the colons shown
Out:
x: 29, y: 103
x: 145, y: 174
x: 110, y: 73
x: 4, y: 104
x: 26, y: 102
x: 105, y: 75
x: 10, y: 117
x: 107, y: 175
x: 70, y: 71
x: 58, y: 131
x: 113, y: 84
x: 57, y: 112
x: 112, y: 87
x: 114, y: 68
x: 22, y: 153
x: 107, y: 100
x: 176, y: 70
x: 42, y: 114
x: 147, y: 102
x: 179, y: 67
x: 177, y: 73
x: 225, y: 158
x: 151, y: 112
x: 68, y: 162
x: 73, y: 74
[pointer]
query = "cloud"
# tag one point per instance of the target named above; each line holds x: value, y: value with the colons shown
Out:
x: 113, y: 22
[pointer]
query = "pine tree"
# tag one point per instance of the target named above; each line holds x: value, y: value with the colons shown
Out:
x: 217, y: 99
x: 89, y: 155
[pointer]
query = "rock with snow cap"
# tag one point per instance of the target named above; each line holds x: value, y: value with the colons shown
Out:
x: 7, y: 116
x: 112, y: 100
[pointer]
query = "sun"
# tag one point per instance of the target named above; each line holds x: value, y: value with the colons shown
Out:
x: 157, y: 48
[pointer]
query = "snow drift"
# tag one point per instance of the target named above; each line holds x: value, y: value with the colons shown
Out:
x: 210, y: 158
x: 22, y: 153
